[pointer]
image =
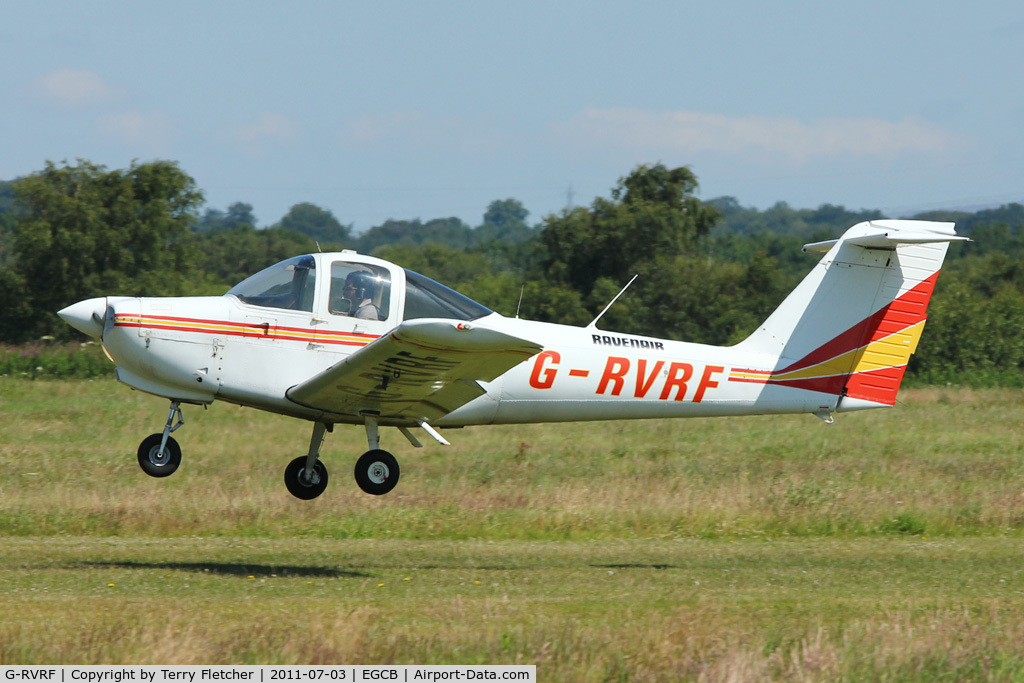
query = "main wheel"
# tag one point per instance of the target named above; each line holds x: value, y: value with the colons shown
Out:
x: 157, y: 464
x: 302, y: 484
x: 377, y: 472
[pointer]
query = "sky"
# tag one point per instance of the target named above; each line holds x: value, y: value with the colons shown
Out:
x: 402, y: 110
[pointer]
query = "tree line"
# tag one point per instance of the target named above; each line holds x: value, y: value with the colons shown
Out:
x: 709, y: 271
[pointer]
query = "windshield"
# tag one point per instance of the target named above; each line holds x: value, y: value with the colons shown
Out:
x: 288, y: 284
x: 425, y: 298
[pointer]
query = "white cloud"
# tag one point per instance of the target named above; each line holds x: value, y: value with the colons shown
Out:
x: 692, y: 132
x: 268, y: 128
x: 74, y: 88
x: 419, y: 131
x: 375, y: 129
x: 152, y: 131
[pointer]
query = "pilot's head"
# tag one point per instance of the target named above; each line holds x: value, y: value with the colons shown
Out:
x: 359, y: 286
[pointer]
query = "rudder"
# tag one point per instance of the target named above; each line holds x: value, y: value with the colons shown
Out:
x: 852, y: 324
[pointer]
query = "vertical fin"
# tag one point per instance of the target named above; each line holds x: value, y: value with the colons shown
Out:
x: 850, y: 327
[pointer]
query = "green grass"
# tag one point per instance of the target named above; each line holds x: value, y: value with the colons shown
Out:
x: 948, y: 463
x: 815, y: 609
x: 887, y: 546
x: 48, y: 359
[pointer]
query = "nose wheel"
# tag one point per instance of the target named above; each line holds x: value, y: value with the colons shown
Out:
x: 160, y: 454
x: 156, y: 460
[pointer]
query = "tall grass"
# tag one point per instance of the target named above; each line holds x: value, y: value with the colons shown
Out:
x: 46, y: 359
x: 886, y: 546
x: 945, y: 463
x: 797, y: 609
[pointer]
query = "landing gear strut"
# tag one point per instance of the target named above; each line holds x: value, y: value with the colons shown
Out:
x: 306, y: 477
x: 159, y: 454
x: 376, y: 470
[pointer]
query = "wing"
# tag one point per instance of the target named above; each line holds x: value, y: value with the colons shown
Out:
x: 421, y: 370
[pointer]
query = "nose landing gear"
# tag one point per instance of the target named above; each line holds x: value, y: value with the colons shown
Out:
x: 159, y: 454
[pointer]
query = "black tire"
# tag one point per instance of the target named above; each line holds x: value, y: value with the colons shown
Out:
x: 154, y: 464
x: 300, y: 487
x: 377, y: 472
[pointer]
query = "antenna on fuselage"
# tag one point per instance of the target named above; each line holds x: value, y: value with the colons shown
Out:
x: 520, y: 304
x: 593, y: 323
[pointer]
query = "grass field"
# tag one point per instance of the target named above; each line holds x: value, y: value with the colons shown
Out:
x: 887, y: 546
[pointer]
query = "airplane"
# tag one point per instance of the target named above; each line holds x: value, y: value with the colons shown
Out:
x: 344, y: 338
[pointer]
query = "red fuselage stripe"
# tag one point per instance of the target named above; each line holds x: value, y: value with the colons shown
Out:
x: 245, y: 330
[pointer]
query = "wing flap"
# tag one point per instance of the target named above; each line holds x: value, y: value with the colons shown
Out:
x: 421, y: 370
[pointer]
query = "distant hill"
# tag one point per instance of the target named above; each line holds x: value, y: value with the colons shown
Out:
x: 1011, y: 215
x: 830, y: 219
x: 827, y: 219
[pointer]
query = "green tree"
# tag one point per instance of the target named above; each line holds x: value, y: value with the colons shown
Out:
x: 471, y: 273
x: 825, y: 222
x: 317, y: 224
x: 652, y: 214
x: 450, y: 267
x: 239, y: 213
x: 553, y: 303
x: 6, y: 197
x: 229, y: 256
x: 505, y: 220
x: 7, y: 225
x: 212, y: 221
x: 450, y: 232
x: 85, y: 231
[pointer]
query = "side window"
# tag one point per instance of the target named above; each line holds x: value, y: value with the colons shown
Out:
x: 359, y: 290
x: 425, y: 298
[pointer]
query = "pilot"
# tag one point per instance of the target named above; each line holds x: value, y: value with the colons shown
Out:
x: 359, y: 289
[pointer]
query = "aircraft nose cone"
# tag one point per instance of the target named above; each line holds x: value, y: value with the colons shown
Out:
x: 86, y: 316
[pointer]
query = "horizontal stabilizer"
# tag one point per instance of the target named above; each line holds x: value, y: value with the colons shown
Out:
x: 887, y: 234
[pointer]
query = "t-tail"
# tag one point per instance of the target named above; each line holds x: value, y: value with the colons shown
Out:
x: 850, y: 327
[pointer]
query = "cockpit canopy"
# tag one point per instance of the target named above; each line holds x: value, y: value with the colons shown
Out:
x: 425, y: 298
x: 354, y: 288
x: 288, y: 284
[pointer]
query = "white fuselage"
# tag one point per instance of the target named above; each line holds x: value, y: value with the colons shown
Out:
x: 202, y: 349
x: 345, y: 338
x: 840, y: 341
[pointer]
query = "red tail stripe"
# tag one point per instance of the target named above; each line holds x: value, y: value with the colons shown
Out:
x: 900, y: 314
x: 832, y: 384
x: 879, y: 386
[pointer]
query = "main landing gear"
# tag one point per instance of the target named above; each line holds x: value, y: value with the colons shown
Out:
x: 306, y: 477
x: 376, y: 471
